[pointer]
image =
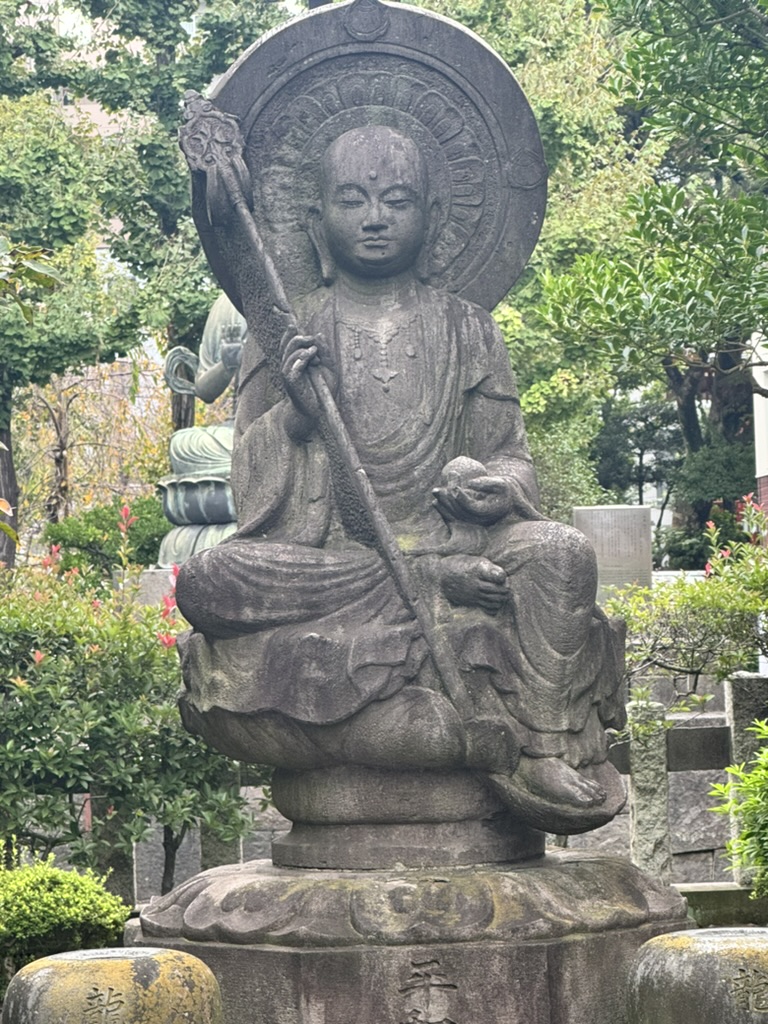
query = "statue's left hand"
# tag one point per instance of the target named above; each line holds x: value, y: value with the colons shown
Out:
x: 483, y: 499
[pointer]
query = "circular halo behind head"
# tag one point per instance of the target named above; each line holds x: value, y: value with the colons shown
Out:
x: 371, y: 63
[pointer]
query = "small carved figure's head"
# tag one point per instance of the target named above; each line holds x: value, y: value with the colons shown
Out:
x: 375, y: 216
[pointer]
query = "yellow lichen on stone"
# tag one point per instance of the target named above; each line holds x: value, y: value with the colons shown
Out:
x: 138, y: 986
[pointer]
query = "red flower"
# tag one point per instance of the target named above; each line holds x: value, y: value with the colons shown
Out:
x: 167, y: 639
x: 708, y: 569
x: 126, y: 519
x: 710, y: 525
x: 37, y: 657
x: 169, y: 604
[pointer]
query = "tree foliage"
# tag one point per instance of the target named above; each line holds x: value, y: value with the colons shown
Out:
x: 695, y: 72
x: 684, y: 299
x: 50, y: 178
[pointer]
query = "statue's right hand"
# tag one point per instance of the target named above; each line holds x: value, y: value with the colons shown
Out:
x: 297, y: 353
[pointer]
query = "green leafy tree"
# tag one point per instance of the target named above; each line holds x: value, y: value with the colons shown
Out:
x: 152, y: 54
x: 696, y: 75
x: 50, y: 179
x: 686, y: 298
x: 639, y: 443
x: 684, y: 303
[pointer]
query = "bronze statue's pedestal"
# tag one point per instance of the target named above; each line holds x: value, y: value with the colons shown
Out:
x: 546, y: 941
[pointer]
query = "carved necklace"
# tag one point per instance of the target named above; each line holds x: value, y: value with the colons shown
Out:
x: 371, y: 347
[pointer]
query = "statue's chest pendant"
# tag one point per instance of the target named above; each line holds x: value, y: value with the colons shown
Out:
x: 383, y: 370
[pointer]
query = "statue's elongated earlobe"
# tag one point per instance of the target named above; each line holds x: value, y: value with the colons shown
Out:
x: 424, y: 260
x: 317, y: 237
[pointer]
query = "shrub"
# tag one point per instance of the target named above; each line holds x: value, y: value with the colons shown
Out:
x: 45, y: 910
x: 745, y: 796
x: 716, y: 624
x: 92, y: 749
x: 92, y: 540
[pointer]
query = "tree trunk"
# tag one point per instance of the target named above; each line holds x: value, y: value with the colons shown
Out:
x: 9, y: 486
x: 685, y: 387
x: 731, y: 409
x: 183, y: 411
x: 171, y: 845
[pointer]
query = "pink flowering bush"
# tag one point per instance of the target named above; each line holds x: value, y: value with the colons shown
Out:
x: 90, y: 732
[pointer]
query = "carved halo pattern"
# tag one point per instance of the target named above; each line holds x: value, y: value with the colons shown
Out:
x: 484, y: 157
x: 298, y: 136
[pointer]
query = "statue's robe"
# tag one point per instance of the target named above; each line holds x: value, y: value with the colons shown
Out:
x: 297, y: 613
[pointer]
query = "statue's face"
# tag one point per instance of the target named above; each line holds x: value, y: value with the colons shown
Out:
x: 374, y: 215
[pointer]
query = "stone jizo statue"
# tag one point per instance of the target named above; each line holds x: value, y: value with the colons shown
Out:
x: 299, y: 624
x: 394, y: 625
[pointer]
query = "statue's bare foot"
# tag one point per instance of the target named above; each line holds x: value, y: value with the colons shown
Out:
x: 546, y: 793
x: 557, y: 782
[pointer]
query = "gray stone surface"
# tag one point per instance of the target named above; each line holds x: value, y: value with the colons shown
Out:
x: 723, y: 904
x: 393, y: 599
x: 693, y: 867
x: 746, y: 699
x: 697, y: 836
x: 268, y: 825
x: 694, y: 827
x: 621, y: 536
x: 711, y: 976
x: 527, y: 945
x: 649, y: 837
x: 153, y: 585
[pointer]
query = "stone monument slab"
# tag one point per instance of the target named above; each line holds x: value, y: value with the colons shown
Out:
x: 621, y: 536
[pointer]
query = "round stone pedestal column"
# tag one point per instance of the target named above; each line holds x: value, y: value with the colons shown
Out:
x: 362, y: 819
x: 712, y: 976
x: 126, y: 986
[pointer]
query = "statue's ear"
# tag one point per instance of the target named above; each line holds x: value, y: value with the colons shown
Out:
x: 423, y: 263
x: 317, y: 237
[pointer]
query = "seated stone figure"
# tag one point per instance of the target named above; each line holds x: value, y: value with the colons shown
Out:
x: 198, y: 451
x: 301, y: 638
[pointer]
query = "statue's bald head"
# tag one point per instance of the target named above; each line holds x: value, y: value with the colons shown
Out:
x: 367, y: 150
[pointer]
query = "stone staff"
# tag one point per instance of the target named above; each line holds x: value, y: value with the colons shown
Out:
x: 212, y: 144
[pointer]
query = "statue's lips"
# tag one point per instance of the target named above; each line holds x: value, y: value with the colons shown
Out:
x: 375, y: 243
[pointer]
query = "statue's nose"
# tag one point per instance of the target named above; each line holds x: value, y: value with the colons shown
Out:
x: 376, y: 219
